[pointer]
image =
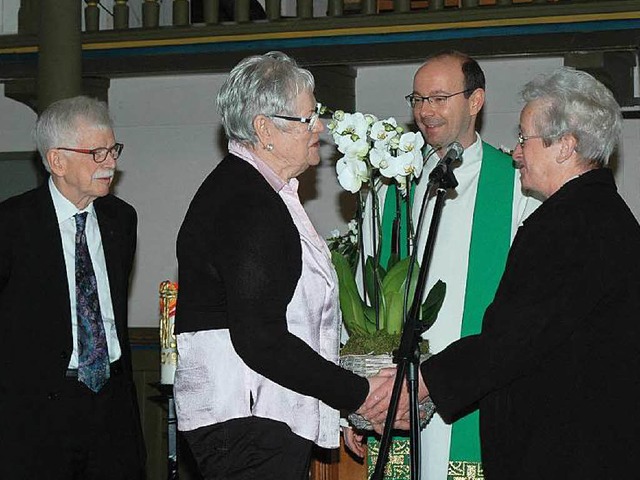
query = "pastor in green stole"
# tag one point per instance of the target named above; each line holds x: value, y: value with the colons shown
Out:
x: 490, y: 242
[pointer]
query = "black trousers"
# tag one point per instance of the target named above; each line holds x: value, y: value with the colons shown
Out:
x: 250, y: 448
x: 73, y: 433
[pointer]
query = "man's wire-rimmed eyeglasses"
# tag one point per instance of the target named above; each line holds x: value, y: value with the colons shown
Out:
x: 415, y: 100
x: 311, y: 121
x: 99, y: 154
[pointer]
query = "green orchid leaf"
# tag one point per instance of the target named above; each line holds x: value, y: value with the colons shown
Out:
x: 393, y: 288
x: 432, y: 304
x: 351, y: 304
x: 370, y: 319
x: 395, y: 281
x: 394, y: 312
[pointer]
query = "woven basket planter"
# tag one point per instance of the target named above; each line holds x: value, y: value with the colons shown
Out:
x: 368, y: 366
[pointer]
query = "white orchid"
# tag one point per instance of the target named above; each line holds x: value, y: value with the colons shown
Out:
x: 373, y: 147
x: 352, y: 172
x: 383, y: 131
x: 353, y: 148
x: 411, y: 142
x: 349, y: 125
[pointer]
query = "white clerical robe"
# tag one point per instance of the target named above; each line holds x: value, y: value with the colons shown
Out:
x: 449, y: 264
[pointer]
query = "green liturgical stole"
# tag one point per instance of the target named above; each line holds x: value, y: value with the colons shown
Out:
x: 490, y: 241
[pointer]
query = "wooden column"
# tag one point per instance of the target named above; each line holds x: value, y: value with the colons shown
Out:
x: 181, y: 12
x: 304, y: 8
x: 402, y: 6
x: 273, y: 9
x: 210, y: 11
x: 60, y: 51
x: 120, y: 15
x: 336, y: 8
x: 91, y: 16
x: 150, y: 14
x: 369, y: 7
x: 241, y: 11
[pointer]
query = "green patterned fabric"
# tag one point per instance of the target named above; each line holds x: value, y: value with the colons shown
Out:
x: 399, y: 464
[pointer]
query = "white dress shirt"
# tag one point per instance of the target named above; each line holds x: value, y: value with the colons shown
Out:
x: 65, y: 211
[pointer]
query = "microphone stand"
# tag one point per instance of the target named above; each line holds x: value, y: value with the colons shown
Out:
x: 407, y: 356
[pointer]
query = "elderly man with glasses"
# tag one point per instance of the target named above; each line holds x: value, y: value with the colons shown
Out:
x: 68, y: 405
x: 479, y: 220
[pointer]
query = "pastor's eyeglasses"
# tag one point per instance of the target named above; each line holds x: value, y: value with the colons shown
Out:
x: 437, y: 101
x: 99, y: 154
x: 310, y: 121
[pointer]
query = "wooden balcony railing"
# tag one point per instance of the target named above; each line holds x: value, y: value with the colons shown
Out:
x: 138, y: 37
x: 206, y: 12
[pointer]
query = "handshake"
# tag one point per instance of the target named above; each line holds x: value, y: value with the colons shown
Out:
x: 376, y: 405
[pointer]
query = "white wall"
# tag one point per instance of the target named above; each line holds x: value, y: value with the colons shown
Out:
x: 169, y: 128
x: 17, y: 174
x: 16, y: 123
x: 9, y: 16
x: 173, y: 140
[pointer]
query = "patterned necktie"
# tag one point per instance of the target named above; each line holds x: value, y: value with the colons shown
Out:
x: 93, y: 356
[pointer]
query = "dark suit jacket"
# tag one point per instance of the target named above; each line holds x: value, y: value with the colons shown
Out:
x: 556, y: 368
x: 35, y: 325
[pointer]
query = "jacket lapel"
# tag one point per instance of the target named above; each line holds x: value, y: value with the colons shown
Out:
x: 111, y: 245
x: 48, y: 243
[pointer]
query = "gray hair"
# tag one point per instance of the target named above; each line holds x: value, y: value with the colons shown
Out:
x: 58, y: 125
x: 262, y: 84
x: 576, y: 104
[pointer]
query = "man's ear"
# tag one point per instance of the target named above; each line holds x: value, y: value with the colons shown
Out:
x: 57, y: 164
x: 263, y: 127
x: 476, y: 101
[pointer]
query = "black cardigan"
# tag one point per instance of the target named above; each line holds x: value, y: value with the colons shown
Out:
x: 240, y: 259
x: 556, y: 368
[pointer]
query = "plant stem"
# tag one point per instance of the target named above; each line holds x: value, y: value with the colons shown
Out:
x: 375, y: 232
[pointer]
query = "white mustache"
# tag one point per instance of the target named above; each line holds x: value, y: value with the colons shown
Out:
x: 103, y: 174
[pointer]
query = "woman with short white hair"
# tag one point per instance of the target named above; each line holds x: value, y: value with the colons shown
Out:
x: 258, y: 317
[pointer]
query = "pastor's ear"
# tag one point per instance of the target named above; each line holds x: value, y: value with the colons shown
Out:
x: 476, y: 101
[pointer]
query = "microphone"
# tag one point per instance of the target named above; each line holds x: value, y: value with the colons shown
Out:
x: 454, y: 153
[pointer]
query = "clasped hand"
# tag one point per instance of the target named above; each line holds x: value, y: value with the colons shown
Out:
x: 376, y: 405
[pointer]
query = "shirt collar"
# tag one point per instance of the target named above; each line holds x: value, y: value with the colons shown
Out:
x: 63, y: 207
x: 239, y: 150
x: 473, y: 151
